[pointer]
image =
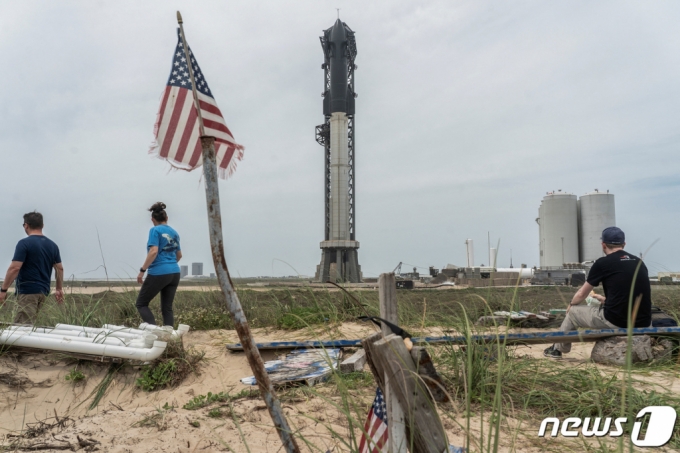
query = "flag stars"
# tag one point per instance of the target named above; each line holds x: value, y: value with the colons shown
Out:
x: 180, y: 74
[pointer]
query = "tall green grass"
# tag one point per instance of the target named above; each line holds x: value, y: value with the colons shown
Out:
x: 499, y: 396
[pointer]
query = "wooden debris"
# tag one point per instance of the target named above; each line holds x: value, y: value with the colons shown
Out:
x: 517, y: 318
x: 354, y: 363
x: 429, y: 375
x: 368, y: 347
x: 492, y: 320
x: 423, y: 426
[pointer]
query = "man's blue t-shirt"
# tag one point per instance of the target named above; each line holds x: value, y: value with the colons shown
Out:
x: 39, y: 255
x: 167, y: 241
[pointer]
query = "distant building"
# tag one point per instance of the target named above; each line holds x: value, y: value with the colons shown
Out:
x: 183, y: 271
x: 212, y: 275
x: 196, y: 268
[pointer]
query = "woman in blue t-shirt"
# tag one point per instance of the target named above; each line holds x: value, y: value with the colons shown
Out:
x: 161, y: 264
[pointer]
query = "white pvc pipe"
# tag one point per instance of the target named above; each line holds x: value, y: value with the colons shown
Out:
x: 162, y: 333
x: 27, y: 340
x: 141, y: 343
x: 145, y: 328
x: 144, y: 341
x: 91, y: 332
x: 181, y: 329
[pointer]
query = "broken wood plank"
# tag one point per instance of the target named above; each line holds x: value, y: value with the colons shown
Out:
x: 368, y: 347
x: 427, y: 372
x: 354, y: 363
x: 424, y: 430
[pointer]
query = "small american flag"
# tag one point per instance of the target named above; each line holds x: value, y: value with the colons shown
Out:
x: 375, y: 427
x: 176, y: 129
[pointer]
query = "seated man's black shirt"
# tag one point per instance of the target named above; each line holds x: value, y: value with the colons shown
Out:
x: 616, y: 272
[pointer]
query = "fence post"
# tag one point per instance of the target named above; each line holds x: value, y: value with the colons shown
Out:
x: 387, y: 291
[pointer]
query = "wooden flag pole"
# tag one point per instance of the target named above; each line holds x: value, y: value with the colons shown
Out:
x: 212, y: 196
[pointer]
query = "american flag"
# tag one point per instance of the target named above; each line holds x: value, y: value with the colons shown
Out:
x: 176, y: 129
x: 374, y: 437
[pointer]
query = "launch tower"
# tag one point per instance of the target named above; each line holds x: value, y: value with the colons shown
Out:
x: 339, y: 259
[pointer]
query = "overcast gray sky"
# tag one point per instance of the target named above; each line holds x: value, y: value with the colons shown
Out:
x: 468, y: 112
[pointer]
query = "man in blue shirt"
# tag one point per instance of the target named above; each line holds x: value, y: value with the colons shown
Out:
x: 34, y: 259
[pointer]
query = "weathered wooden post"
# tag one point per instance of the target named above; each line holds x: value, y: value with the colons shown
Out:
x: 212, y: 195
x: 387, y: 293
x: 409, y: 382
x: 424, y: 432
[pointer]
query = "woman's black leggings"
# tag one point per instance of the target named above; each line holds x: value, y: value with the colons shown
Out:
x: 154, y: 284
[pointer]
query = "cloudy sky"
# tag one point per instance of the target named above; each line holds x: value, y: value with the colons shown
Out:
x: 468, y: 112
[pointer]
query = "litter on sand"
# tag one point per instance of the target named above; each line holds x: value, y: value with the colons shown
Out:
x: 308, y: 366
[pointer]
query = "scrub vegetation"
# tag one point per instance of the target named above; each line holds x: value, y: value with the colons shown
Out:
x: 298, y: 308
x: 499, y: 395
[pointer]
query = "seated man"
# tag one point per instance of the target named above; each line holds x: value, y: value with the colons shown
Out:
x: 620, y: 273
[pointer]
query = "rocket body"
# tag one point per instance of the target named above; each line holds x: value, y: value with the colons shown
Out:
x: 339, y: 107
x: 339, y: 178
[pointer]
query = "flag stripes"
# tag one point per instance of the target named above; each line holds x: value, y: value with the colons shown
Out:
x: 177, y: 129
x: 375, y: 435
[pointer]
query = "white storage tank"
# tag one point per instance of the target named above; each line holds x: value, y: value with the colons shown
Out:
x: 492, y: 257
x: 596, y: 212
x: 558, y: 229
x: 470, y: 252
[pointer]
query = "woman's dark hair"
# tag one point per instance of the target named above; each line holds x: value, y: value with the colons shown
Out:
x: 158, y: 212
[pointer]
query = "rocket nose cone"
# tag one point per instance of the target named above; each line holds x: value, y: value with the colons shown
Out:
x: 338, y: 31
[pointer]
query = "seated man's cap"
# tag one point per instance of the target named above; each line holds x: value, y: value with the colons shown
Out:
x: 613, y: 235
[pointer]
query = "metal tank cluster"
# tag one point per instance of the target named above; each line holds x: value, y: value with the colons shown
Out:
x: 570, y: 228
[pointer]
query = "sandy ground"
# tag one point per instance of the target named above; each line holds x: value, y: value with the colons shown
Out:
x: 117, y: 423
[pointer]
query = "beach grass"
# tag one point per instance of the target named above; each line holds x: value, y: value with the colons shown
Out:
x: 499, y: 396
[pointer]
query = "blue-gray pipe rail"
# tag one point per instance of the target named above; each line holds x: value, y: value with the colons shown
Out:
x: 574, y: 336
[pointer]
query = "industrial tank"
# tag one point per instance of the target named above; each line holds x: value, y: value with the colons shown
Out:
x: 596, y: 212
x: 470, y: 252
x: 558, y: 229
x: 493, y: 253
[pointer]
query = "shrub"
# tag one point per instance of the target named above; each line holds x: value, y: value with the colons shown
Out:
x: 74, y: 376
x: 157, y: 375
